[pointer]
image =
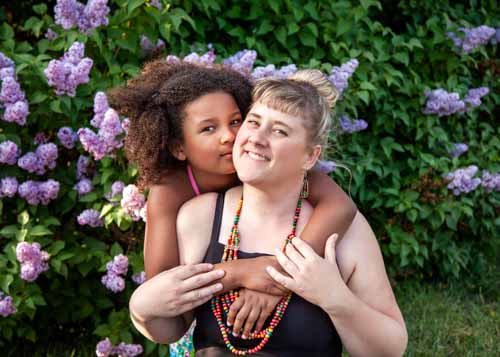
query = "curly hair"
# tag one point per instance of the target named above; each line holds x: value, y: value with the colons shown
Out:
x: 155, y: 101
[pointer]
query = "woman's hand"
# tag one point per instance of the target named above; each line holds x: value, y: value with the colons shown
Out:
x: 314, y: 278
x: 175, y: 291
x: 252, y: 308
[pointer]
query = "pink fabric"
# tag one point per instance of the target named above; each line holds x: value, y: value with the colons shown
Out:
x: 194, y: 185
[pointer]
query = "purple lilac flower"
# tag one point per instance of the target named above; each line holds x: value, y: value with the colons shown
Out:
x: 157, y: 4
x: 206, y: 59
x: 29, y: 191
x: 147, y: 47
x: 71, y: 13
x: 490, y: 182
x: 83, y: 186
x: 67, y: 137
x: 116, y: 190
x: 127, y: 350
x: 33, y: 260
x: 7, y: 72
x: 11, y: 95
x: 101, y: 105
x: 82, y: 167
x: 92, y: 143
x: 339, y: 76
x: 462, y: 180
x: 90, y: 217
x: 110, y: 129
x: 5, y: 61
x: 473, y: 37
x: 132, y: 201
x: 48, y: 191
x: 143, y: 212
x: 242, y: 61
x: 96, y: 13
x: 113, y: 282
x: 459, y: 149
x: 31, y: 163
x: 139, y: 278
x: 51, y: 35
x: 496, y: 38
x: 474, y: 95
x: 351, y: 126
x: 47, y: 154
x: 8, y: 187
x: 442, y: 103
x: 325, y: 166
x: 40, y: 138
x: 119, y: 265
x: 6, y: 305
x: 66, y: 73
x: 16, y: 112
x: 11, y: 91
x: 8, y: 152
x: 103, y: 348
x: 125, y: 125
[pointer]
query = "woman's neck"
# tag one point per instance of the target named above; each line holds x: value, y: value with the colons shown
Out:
x: 210, y: 182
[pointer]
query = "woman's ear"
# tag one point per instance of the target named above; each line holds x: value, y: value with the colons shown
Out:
x: 177, y: 151
x: 312, y: 157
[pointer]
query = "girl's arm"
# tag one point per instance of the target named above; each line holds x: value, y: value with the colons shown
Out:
x: 333, y: 212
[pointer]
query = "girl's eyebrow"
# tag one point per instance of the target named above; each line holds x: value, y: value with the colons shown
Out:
x: 210, y: 119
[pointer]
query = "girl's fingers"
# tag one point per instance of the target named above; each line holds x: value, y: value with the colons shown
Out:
x: 200, y: 280
x: 294, y: 255
x: 200, y: 294
x: 187, y: 271
x: 264, y: 314
x: 287, y: 282
x: 250, y: 322
x: 233, y: 310
x: 286, y: 263
x: 304, y: 248
x: 240, y: 319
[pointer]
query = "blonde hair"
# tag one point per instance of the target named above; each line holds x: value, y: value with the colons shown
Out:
x: 307, y: 94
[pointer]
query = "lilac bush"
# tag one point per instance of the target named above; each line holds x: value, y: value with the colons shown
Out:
x: 442, y: 103
x: 463, y: 180
x: 33, y: 260
x: 105, y: 348
x: 472, y: 37
x: 38, y: 162
x: 339, y: 76
x: 71, y: 13
x: 113, y: 279
x: 71, y: 70
x: 12, y: 98
x: 39, y: 192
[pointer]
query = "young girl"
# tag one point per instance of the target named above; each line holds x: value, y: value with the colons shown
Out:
x: 183, y: 122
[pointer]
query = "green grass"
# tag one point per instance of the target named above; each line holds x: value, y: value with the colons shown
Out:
x: 457, y: 319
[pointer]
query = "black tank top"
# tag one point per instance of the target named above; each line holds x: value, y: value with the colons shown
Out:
x: 305, y: 329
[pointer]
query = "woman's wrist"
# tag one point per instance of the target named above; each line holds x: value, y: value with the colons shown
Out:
x: 339, y: 302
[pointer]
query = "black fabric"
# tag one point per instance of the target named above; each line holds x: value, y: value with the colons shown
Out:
x: 305, y: 330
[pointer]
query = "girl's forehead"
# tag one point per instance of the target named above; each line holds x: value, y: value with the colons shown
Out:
x: 212, y: 105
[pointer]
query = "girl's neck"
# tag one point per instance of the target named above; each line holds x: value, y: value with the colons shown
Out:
x: 210, y: 182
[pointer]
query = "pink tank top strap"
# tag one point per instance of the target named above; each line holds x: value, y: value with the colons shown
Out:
x: 192, y: 180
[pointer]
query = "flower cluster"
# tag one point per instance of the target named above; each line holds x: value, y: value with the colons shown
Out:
x: 139, y: 278
x: 349, y: 126
x: 339, y: 76
x: 271, y: 71
x: 147, y: 47
x: 495, y: 39
x: 113, y: 279
x: 8, y: 187
x: 33, y: 260
x: 458, y: 149
x: 110, y: 130
x: 473, y: 37
x: 71, y: 13
x: 463, y: 180
x: 206, y: 60
x: 71, y: 70
x: 442, y: 103
x: 157, y: 4
x: 116, y: 190
x: 36, y: 192
x: 241, y: 61
x: 90, y: 217
x: 325, y: 167
x: 51, y: 35
x: 105, y: 348
x: 133, y: 202
x: 11, y: 95
x: 9, y: 152
x: 490, y: 182
x: 83, y: 186
x: 6, y: 305
x: 474, y: 95
x: 83, y: 167
x: 40, y: 138
x: 67, y: 137
x: 39, y: 161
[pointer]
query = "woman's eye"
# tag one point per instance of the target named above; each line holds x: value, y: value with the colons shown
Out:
x: 252, y: 122
x: 281, y: 132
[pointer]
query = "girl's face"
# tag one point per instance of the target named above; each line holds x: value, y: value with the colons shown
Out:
x: 272, y: 146
x: 209, y: 130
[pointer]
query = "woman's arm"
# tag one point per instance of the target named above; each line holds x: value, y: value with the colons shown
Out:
x: 333, y: 212
x: 358, y: 296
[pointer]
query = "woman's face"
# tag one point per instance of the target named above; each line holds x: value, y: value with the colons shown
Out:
x: 272, y: 146
x: 209, y: 130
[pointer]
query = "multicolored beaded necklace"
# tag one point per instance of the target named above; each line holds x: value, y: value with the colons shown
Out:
x: 226, y: 299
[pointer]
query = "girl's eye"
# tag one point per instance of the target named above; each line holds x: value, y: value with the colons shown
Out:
x: 208, y: 129
x: 236, y: 122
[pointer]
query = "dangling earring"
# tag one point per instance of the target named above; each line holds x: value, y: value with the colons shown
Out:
x: 305, y: 188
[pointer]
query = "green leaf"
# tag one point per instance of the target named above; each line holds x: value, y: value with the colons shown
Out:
x: 367, y: 85
x: 106, y: 209
x: 293, y: 28
x: 364, y: 96
x: 39, y: 231
x: 89, y: 197
x: 343, y: 26
x: 402, y: 57
x: 40, y: 9
x: 280, y: 34
x: 6, y: 32
x: 134, y: 4
x: 116, y: 249
x: 56, y: 247
x: 5, y: 281
x: 307, y: 39
x: 8, y: 231
x: 23, y: 218
x: 21, y: 234
x: 38, y: 97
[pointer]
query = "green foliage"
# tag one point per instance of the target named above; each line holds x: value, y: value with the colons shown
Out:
x: 397, y: 165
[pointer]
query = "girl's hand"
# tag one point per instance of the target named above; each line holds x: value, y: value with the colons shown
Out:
x: 252, y: 308
x: 176, y: 291
x: 315, y: 279
x: 256, y: 278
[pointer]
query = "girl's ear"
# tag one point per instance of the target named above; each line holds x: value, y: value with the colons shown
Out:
x: 178, y: 152
x: 312, y: 157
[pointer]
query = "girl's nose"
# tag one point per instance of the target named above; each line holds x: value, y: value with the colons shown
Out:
x: 227, y: 136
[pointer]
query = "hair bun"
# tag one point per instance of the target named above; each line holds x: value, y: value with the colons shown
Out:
x: 318, y: 80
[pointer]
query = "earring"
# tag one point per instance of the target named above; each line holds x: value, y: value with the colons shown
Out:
x: 305, y: 188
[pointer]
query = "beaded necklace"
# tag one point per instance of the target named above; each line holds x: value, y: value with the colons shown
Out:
x: 226, y: 299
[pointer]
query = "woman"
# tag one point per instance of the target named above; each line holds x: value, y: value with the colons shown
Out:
x: 354, y: 306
